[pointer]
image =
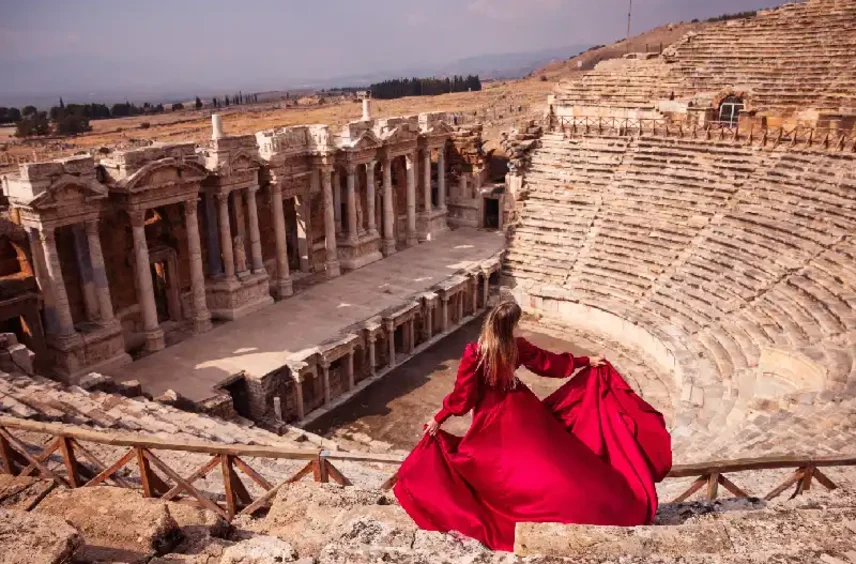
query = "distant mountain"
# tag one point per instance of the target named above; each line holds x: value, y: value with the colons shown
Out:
x: 510, y: 65
x: 41, y: 81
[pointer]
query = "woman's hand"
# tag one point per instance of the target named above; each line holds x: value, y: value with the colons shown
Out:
x: 595, y: 361
x: 431, y: 427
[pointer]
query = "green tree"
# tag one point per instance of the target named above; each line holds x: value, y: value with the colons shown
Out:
x: 198, y: 103
x: 29, y: 110
x: 34, y: 124
x: 177, y: 106
x: 72, y: 123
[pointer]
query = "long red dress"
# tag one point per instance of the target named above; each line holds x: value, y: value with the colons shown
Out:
x: 589, y: 454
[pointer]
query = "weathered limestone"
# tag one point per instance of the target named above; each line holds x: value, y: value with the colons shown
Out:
x: 201, y: 315
x: 371, y: 198
x: 411, y: 200
x: 283, y: 275
x: 145, y: 291
x: 332, y: 263
x: 36, y: 539
x: 388, y: 210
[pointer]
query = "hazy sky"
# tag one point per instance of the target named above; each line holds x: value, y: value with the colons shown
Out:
x: 86, y: 45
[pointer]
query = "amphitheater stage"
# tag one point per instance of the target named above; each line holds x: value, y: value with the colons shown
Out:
x: 263, y: 343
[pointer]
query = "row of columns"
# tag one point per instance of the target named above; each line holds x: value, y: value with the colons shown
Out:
x: 48, y: 270
x: 354, y: 227
x: 145, y: 290
x: 390, y: 327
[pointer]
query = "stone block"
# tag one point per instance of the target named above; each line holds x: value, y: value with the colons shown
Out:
x: 578, y: 541
x: 259, y: 550
x: 30, y: 538
x: 118, y: 525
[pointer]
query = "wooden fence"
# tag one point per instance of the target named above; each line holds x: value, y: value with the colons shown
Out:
x: 67, y: 444
x: 804, y: 136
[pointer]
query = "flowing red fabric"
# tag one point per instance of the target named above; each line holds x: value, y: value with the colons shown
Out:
x: 588, y: 454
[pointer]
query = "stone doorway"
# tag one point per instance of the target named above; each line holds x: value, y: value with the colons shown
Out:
x: 491, y: 213
x: 164, y: 267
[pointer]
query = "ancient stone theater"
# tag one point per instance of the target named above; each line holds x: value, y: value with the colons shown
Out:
x: 175, y: 316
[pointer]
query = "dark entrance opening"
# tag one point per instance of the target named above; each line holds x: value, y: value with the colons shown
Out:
x: 491, y: 213
x: 240, y: 396
x: 161, y: 290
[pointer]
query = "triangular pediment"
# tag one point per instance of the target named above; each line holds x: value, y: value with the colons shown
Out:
x: 69, y: 190
x: 399, y: 135
x: 368, y: 140
x: 165, y: 172
x: 441, y: 128
x: 244, y: 160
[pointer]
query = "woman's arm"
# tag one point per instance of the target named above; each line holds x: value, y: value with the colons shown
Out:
x: 547, y: 364
x: 463, y: 398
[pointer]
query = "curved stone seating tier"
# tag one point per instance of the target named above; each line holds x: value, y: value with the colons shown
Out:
x: 795, y: 56
x: 734, y: 267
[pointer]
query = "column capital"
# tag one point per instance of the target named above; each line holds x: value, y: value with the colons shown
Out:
x: 91, y: 226
x: 138, y: 218
x: 190, y: 206
x: 275, y: 188
x: 324, y: 363
x: 47, y: 234
x: 222, y: 197
x: 372, y: 338
x: 351, y: 168
x: 371, y: 165
x: 253, y: 189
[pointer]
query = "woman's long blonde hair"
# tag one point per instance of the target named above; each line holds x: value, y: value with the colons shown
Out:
x: 497, y: 348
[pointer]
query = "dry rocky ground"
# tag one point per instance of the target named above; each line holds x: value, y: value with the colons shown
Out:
x: 326, y: 524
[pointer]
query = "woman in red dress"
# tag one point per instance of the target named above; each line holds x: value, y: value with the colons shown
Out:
x: 589, y: 454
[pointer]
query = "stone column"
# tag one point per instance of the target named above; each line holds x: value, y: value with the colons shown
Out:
x: 462, y: 188
x: 390, y: 330
x: 350, y: 368
x: 370, y: 197
x: 445, y: 313
x: 283, y: 276
x: 353, y: 228
x: 212, y: 241
x: 486, y: 288
x: 84, y: 267
x: 337, y: 200
x: 411, y: 335
x: 475, y: 294
x: 441, y: 178
x: 329, y: 226
x: 429, y: 322
x: 372, y: 342
x: 388, y: 210
x: 255, y: 237
x: 298, y: 397
x: 201, y: 315
x: 304, y: 231
x: 325, y: 380
x: 426, y: 178
x: 240, y: 223
x: 145, y: 292
x: 411, y: 200
x: 225, y: 235
x: 54, y: 271
x: 460, y: 299
x: 44, y: 282
x: 99, y: 272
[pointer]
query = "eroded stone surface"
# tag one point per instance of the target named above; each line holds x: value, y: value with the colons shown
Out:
x: 116, y: 524
x: 28, y: 538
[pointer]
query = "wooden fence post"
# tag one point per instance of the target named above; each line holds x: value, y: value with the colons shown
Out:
x: 67, y: 448
x: 235, y: 490
x: 6, y: 456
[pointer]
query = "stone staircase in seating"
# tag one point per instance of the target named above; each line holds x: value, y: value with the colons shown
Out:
x: 734, y: 266
x: 796, y: 56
